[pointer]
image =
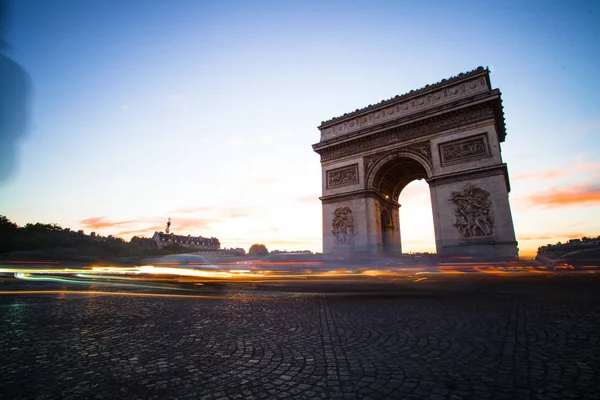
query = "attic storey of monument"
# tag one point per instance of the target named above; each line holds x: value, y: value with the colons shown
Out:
x: 449, y: 134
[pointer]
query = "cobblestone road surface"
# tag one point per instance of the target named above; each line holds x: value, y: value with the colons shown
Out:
x: 503, y: 338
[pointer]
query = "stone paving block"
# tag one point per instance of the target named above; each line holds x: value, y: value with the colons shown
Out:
x: 492, y: 339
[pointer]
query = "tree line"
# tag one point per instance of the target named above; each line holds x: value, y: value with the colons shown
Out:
x: 53, y: 241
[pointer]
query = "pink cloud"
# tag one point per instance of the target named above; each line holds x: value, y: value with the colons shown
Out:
x: 579, y: 167
x: 102, y: 222
x: 149, y: 231
x: 571, y: 195
x: 148, y: 226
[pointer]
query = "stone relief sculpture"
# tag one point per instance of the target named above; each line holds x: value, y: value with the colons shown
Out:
x: 464, y: 150
x: 343, y: 226
x: 473, y: 212
x: 342, y: 176
x: 423, y: 148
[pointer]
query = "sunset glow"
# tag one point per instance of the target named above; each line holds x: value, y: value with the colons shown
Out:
x: 205, y: 112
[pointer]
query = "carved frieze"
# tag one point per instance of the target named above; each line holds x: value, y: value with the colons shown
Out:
x: 342, y: 226
x: 400, y: 134
x: 343, y: 176
x: 421, y: 148
x: 370, y: 160
x: 472, y: 212
x: 477, y: 84
x: 468, y: 149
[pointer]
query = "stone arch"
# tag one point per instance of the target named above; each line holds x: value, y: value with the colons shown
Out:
x: 448, y: 133
x: 397, y: 170
x: 391, y: 155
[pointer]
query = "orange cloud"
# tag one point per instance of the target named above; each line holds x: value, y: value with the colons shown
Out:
x: 552, y: 237
x: 146, y: 231
x: 572, y: 195
x: 132, y: 227
x: 181, y: 224
x: 101, y: 222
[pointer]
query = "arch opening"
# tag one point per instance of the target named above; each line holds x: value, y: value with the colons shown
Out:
x: 390, y: 180
x: 416, y: 219
x: 393, y: 176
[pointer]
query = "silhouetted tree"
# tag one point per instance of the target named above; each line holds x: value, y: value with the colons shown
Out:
x: 6, y: 224
x: 65, y: 244
x: 258, y: 250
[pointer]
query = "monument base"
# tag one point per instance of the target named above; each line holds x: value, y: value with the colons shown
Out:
x: 482, y: 251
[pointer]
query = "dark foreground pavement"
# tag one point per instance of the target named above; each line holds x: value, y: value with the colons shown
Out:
x: 454, y: 338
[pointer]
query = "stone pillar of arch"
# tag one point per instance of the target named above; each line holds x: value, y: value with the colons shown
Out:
x: 449, y: 134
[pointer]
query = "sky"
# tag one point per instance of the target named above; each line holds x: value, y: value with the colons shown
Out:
x: 205, y: 111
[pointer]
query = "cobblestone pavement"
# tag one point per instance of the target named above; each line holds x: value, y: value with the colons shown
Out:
x: 501, y: 338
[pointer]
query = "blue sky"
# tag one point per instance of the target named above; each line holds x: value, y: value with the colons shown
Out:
x: 205, y: 112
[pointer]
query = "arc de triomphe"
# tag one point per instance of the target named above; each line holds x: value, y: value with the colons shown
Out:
x: 449, y: 134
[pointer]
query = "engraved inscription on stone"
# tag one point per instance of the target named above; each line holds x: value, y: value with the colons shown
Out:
x: 464, y: 150
x: 342, y: 176
x: 342, y: 226
x: 473, y: 212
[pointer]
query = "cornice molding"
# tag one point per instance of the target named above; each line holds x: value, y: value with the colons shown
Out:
x: 399, y: 134
x: 358, y: 194
x: 410, y: 95
x: 499, y: 169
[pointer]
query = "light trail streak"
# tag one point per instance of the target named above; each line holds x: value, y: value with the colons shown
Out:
x: 95, y: 292
x: 453, y: 271
x: 143, y: 275
x: 28, y: 277
x: 150, y: 269
x: 33, y: 262
x: 115, y: 277
x: 42, y: 270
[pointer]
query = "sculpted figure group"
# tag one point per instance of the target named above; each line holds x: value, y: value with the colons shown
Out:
x: 346, y: 175
x: 343, y: 226
x: 473, y: 212
x: 464, y: 150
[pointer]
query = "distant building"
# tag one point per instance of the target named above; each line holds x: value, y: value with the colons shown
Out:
x: 554, y: 251
x: 236, y: 252
x: 194, y: 242
x: 291, y: 252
